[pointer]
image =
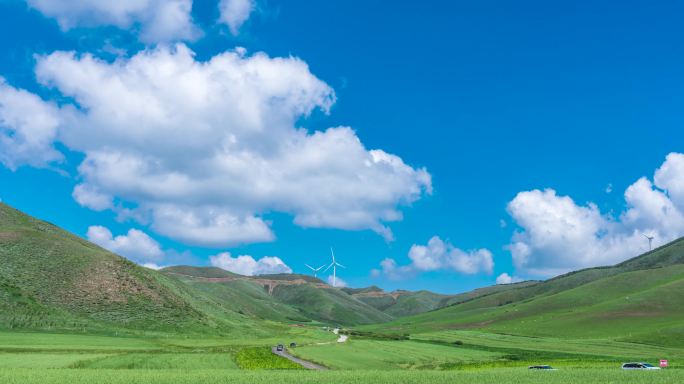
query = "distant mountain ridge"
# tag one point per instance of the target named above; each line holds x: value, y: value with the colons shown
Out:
x: 405, y: 303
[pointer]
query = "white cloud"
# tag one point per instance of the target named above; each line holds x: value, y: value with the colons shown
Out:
x: 437, y: 255
x: 208, y: 226
x: 202, y: 150
x: 28, y: 128
x: 339, y: 282
x: 135, y: 245
x: 440, y: 255
x: 390, y: 269
x: 558, y: 235
x: 153, y: 266
x: 87, y: 196
x: 246, y: 265
x: 154, y: 20
x: 234, y: 13
x: 505, y: 278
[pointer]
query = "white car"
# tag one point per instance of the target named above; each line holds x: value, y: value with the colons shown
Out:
x: 638, y: 366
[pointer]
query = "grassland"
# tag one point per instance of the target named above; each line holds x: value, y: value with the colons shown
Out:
x: 378, y: 354
x: 73, y: 312
x: 504, y: 375
x: 441, y: 357
x: 261, y: 358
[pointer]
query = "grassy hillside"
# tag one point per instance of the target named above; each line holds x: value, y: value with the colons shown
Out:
x: 328, y: 304
x: 51, y: 279
x: 279, y: 297
x: 638, y: 300
x: 241, y: 295
x: 406, y: 303
x: 207, y: 272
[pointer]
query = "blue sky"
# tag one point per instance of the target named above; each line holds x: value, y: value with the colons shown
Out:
x: 498, y: 101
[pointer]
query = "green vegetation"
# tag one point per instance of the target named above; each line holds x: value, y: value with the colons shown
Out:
x: 262, y: 358
x: 621, y: 303
x: 73, y: 312
x: 376, y: 354
x: 45, y: 360
x: 406, y: 303
x: 194, y: 361
x: 498, y: 376
x: 328, y: 304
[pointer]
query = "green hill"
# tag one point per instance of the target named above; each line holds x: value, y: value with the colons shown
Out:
x: 406, y: 303
x: 279, y: 297
x: 637, y: 300
x: 190, y: 271
x: 50, y: 278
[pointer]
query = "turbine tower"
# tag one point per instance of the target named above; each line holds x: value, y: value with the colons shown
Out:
x: 315, y: 270
x: 334, y: 266
x: 650, y: 240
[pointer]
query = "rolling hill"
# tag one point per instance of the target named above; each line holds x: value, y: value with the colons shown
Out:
x: 280, y: 297
x: 51, y: 279
x: 405, y: 303
x: 637, y: 300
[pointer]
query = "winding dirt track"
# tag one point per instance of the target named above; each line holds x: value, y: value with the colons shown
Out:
x: 303, y: 363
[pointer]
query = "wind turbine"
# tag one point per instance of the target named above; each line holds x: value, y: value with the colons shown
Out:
x: 334, y: 266
x: 650, y: 240
x: 315, y: 270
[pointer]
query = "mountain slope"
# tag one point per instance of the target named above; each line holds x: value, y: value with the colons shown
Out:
x: 405, y: 303
x: 280, y: 297
x: 639, y: 300
x: 50, y: 278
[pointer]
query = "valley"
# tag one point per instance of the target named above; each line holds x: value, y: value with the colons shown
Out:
x: 71, y: 310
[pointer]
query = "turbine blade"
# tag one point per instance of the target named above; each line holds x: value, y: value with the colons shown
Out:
x: 340, y: 265
x: 332, y: 254
x: 310, y: 267
x: 328, y: 267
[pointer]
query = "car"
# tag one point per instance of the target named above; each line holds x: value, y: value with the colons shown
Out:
x: 646, y: 366
x: 547, y: 367
x: 293, y: 344
x: 280, y: 348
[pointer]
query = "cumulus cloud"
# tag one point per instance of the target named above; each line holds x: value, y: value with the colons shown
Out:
x: 505, y: 278
x: 558, y: 235
x: 234, y: 13
x: 247, y: 266
x: 136, y: 245
x: 437, y: 255
x: 154, y: 20
x: 28, y: 128
x: 201, y: 150
x: 152, y: 266
x: 339, y: 283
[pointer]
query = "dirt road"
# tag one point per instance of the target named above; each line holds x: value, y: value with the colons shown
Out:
x: 303, y: 363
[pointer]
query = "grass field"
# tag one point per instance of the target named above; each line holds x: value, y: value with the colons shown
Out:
x: 374, y: 354
x: 499, y: 376
x: 439, y: 357
x: 599, y: 348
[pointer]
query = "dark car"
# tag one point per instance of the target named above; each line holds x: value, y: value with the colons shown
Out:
x: 547, y: 367
x: 293, y: 344
x: 280, y: 348
x: 646, y: 366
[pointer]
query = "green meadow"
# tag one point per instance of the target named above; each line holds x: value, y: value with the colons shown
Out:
x: 71, y: 312
x: 440, y: 357
x: 502, y: 375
